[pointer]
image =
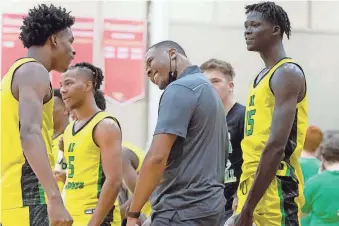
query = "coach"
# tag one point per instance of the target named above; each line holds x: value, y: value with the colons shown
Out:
x: 185, y: 163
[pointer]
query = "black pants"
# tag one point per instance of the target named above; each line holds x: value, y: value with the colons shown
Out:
x: 214, y: 220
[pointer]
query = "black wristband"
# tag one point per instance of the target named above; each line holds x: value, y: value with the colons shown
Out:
x: 133, y: 214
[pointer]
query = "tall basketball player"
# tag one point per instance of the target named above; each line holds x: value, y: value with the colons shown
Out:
x: 27, y: 118
x: 271, y: 184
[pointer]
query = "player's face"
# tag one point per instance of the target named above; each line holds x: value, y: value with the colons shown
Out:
x: 59, y: 111
x: 157, y: 67
x: 222, y: 85
x: 258, y: 32
x: 74, y: 88
x: 64, y: 52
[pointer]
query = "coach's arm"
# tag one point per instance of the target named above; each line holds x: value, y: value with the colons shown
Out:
x: 287, y: 85
x: 175, y: 113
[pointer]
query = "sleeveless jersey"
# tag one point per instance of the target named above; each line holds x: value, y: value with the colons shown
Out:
x: 258, y: 121
x: 85, y: 176
x: 147, y: 209
x: 19, y: 184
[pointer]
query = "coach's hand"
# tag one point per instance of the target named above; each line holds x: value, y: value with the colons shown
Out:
x: 57, y: 213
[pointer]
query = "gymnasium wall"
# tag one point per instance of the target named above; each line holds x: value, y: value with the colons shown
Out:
x: 209, y: 29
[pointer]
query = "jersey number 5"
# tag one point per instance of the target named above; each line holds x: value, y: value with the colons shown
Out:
x: 250, y: 122
x: 70, y: 166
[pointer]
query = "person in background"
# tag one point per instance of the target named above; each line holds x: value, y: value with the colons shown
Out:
x: 309, y: 163
x: 60, y: 122
x: 221, y: 74
x: 132, y: 161
x: 321, y: 190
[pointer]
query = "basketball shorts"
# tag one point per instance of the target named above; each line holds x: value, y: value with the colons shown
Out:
x: 82, y: 220
x: 280, y: 205
x: 25, y: 216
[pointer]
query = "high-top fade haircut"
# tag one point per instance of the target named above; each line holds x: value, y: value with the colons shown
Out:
x: 169, y: 44
x: 97, y: 77
x: 42, y: 22
x: 274, y: 14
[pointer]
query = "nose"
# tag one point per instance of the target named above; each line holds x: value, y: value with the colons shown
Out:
x: 73, y: 52
x: 62, y: 90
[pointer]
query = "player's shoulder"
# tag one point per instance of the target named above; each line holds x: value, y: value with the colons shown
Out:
x: 34, y: 69
x: 290, y: 71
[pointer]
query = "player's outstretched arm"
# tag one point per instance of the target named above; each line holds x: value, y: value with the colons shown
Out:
x: 33, y: 85
x: 107, y: 136
x: 287, y: 84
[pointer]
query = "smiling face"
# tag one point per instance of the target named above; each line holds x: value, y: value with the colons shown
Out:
x: 76, y: 86
x: 63, y: 50
x: 259, y: 33
x: 157, y: 62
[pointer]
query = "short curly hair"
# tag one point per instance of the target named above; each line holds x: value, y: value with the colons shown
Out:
x: 42, y: 22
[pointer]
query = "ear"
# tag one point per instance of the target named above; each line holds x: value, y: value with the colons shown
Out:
x: 89, y: 86
x: 231, y: 85
x: 276, y: 30
x: 53, y: 40
x: 173, y: 53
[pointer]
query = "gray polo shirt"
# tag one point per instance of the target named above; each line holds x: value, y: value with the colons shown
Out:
x: 192, y: 183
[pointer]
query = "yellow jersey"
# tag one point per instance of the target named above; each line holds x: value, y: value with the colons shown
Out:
x: 19, y: 184
x: 85, y: 176
x: 258, y: 121
x: 147, y: 209
x: 55, y: 149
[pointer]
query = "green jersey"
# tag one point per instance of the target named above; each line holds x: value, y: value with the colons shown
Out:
x: 322, y: 199
x: 309, y: 167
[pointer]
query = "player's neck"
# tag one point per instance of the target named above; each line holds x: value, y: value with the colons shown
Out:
x: 40, y: 53
x: 273, y: 54
x: 229, y: 103
x: 86, y: 111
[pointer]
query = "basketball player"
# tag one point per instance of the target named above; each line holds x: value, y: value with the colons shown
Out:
x: 271, y: 184
x: 132, y: 161
x: 60, y: 122
x: 186, y: 161
x: 221, y: 74
x: 27, y: 118
x: 92, y: 150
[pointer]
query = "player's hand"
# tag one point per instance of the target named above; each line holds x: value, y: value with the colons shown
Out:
x: 61, y: 144
x: 60, y: 176
x: 57, y: 213
x: 245, y: 218
x: 235, y: 204
x: 131, y: 221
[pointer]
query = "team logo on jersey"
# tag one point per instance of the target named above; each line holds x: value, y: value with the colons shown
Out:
x: 229, y: 173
